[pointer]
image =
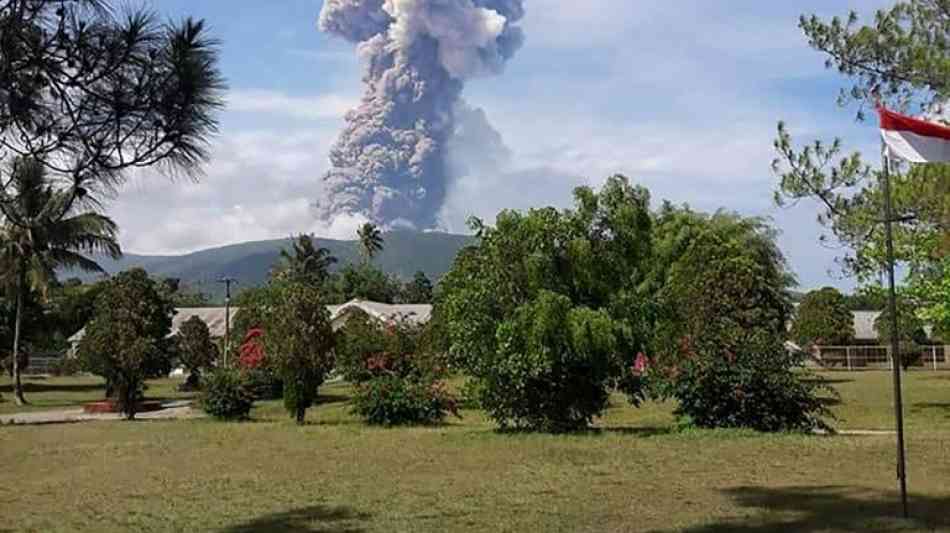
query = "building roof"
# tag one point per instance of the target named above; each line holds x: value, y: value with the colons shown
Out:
x: 214, y: 317
x: 417, y: 314
x: 864, y: 329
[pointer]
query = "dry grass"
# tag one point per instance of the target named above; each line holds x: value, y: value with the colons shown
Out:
x: 335, y: 474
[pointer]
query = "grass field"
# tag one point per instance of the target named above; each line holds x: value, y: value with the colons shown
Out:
x: 635, y: 473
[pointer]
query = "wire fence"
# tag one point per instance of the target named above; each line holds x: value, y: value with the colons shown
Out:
x: 877, y: 357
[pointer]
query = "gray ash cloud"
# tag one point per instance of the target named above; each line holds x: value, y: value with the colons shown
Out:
x: 390, y: 162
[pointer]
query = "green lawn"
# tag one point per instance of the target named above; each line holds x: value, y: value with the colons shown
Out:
x: 335, y: 474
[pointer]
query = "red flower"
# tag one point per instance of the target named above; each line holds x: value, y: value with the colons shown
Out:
x: 251, y: 353
x: 641, y: 364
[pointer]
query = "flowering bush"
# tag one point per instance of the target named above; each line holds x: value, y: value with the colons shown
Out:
x: 758, y: 386
x: 391, y: 400
x: 262, y: 380
x: 397, y: 381
x: 251, y: 352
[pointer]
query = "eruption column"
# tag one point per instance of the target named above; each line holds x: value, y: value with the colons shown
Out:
x: 389, y: 163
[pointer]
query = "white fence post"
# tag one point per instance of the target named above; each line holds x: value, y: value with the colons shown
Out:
x: 933, y: 351
x: 847, y: 354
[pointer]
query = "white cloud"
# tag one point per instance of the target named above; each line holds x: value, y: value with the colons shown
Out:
x: 260, y: 185
x: 318, y: 107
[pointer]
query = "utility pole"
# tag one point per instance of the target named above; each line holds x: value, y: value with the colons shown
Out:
x: 227, y: 316
x: 896, y: 361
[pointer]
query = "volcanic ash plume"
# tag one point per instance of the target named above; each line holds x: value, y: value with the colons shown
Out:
x: 389, y: 163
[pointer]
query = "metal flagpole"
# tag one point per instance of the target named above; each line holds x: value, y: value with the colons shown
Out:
x: 896, y: 362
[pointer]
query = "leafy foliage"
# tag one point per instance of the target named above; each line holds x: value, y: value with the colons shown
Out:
x: 720, y: 335
x: 547, y: 310
x: 902, y: 59
x: 823, y: 317
x: 225, y: 395
x: 418, y: 291
x: 392, y: 400
x: 364, y: 282
x: 196, y: 351
x: 89, y: 93
x: 306, y: 263
x: 299, y: 336
x: 910, y: 330
x: 127, y: 340
x: 371, y: 240
x: 755, y: 386
x: 41, y: 232
x: 397, y: 380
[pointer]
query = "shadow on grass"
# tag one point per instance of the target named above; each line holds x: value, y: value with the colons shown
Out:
x: 328, y: 399
x: 595, y: 431
x: 828, y: 381
x: 29, y: 387
x: 314, y: 518
x: 828, y: 508
x: 936, y: 406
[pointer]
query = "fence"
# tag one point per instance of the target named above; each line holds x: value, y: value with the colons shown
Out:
x: 40, y: 365
x: 877, y: 357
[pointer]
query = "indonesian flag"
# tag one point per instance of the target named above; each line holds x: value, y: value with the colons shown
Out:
x: 914, y: 140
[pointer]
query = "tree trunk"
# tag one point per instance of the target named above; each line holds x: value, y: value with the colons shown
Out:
x: 17, y: 384
x: 301, y: 415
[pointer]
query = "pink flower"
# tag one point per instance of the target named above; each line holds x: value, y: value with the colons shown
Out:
x: 641, y: 364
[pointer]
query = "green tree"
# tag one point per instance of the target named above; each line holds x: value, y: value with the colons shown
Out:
x: 823, y: 317
x: 196, y: 351
x: 180, y: 295
x: 902, y: 59
x: 299, y: 337
x: 419, y: 290
x: 127, y: 341
x: 90, y: 90
x: 371, y: 240
x: 719, y: 342
x: 43, y: 230
x: 546, y: 312
x: 305, y: 262
x: 364, y: 282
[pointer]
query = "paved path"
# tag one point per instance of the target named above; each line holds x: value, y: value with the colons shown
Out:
x: 169, y: 411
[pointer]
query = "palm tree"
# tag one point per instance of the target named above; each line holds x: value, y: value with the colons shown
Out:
x: 371, y: 240
x: 307, y: 262
x: 40, y: 232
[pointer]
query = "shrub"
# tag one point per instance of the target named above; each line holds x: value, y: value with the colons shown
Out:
x: 225, y: 395
x: 67, y: 366
x: 755, y: 387
x: 724, y: 310
x: 392, y: 400
x: 397, y: 380
x: 260, y: 376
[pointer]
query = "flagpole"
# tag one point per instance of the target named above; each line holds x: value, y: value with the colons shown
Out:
x: 896, y: 359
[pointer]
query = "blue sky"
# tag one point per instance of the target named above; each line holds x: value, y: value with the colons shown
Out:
x: 682, y: 96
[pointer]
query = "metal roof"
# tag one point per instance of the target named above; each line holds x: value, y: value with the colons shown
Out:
x: 214, y: 316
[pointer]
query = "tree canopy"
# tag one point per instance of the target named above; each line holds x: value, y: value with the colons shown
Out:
x: 546, y: 310
x: 823, y: 317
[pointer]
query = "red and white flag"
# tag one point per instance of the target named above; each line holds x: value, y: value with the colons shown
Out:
x: 914, y: 140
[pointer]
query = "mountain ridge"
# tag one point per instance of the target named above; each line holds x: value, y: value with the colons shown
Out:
x: 405, y: 252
